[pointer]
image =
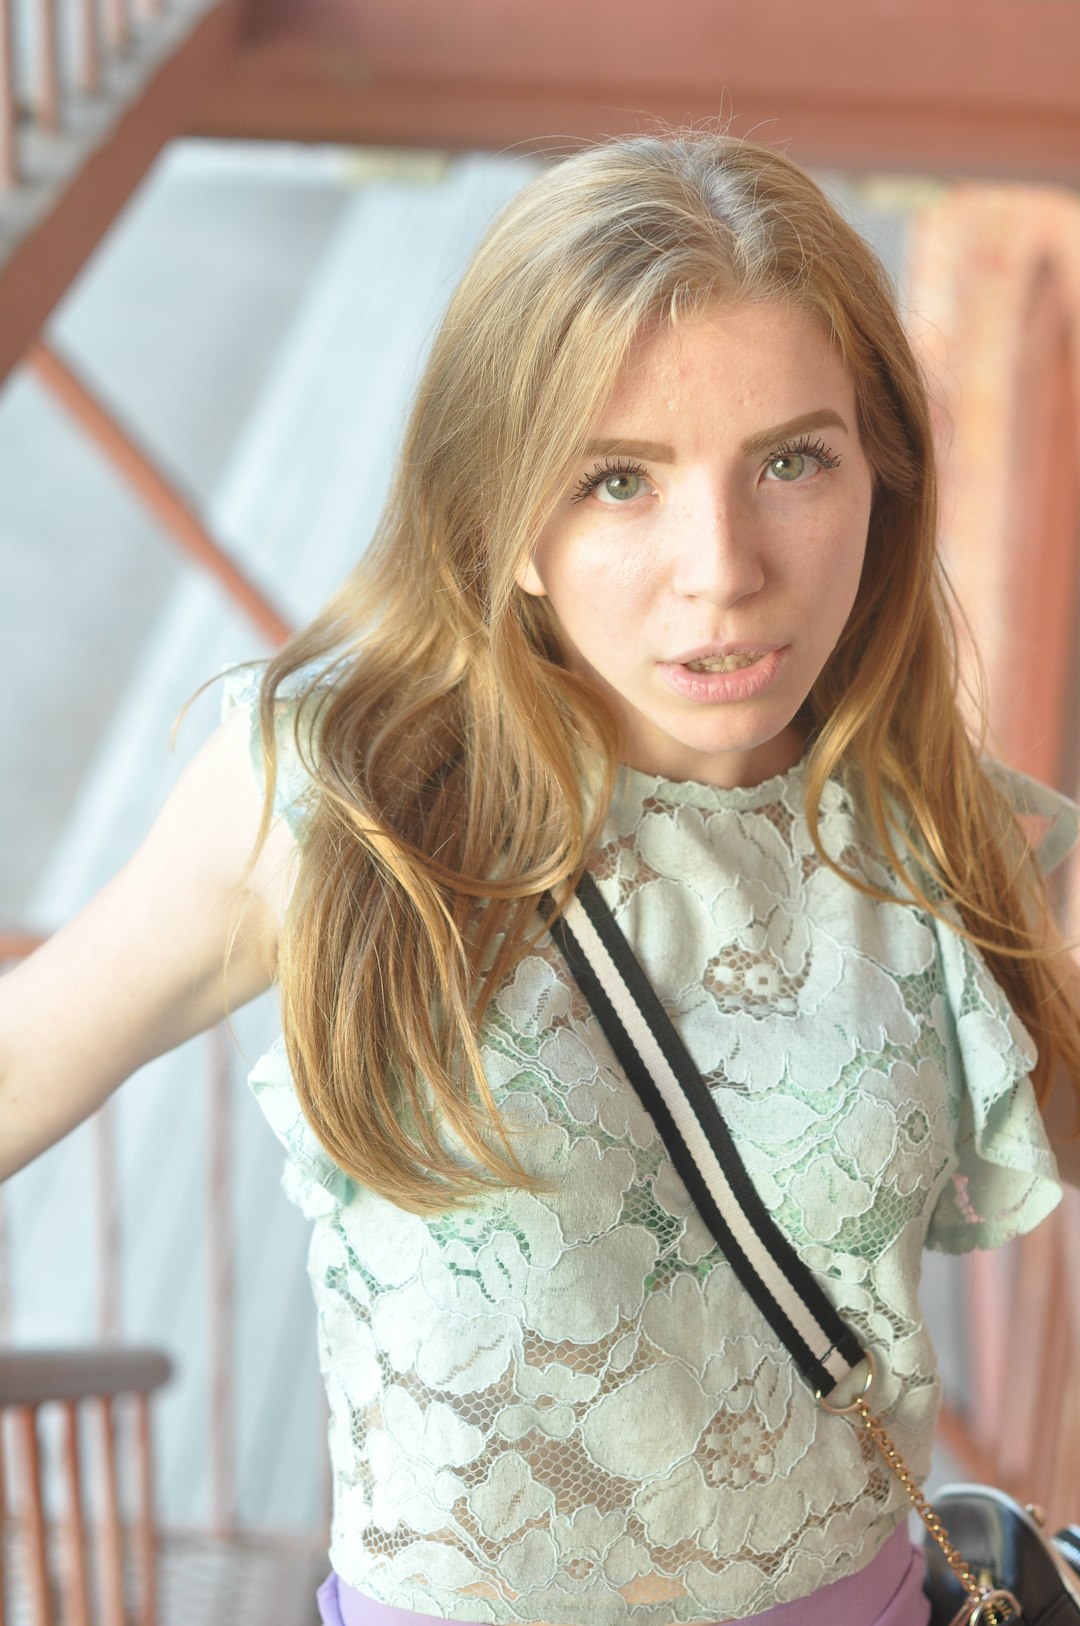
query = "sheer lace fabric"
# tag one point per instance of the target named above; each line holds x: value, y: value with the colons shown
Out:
x: 563, y: 1407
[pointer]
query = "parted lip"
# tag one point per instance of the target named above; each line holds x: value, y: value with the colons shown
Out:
x: 717, y: 652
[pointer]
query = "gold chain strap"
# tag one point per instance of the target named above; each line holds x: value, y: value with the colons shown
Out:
x: 986, y: 1605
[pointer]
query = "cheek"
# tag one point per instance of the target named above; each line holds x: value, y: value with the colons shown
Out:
x: 840, y: 551
x: 830, y: 572
x: 602, y: 579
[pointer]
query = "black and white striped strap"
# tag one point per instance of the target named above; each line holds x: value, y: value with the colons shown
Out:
x: 659, y: 1067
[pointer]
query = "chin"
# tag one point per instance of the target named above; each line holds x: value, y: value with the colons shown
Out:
x: 711, y: 756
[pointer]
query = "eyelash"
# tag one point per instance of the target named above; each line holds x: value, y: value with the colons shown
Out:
x: 804, y: 447
x: 605, y: 471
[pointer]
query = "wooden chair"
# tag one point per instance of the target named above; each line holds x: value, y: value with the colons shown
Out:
x: 50, y: 1549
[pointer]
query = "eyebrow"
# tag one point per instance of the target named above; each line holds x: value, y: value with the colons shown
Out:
x: 823, y: 418
x: 654, y: 451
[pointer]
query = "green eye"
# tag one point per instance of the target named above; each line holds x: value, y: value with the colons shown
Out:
x: 620, y: 487
x: 794, y: 460
x: 613, y: 483
x: 788, y: 467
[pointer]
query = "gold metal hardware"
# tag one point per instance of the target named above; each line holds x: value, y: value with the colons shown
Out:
x: 996, y: 1607
x: 860, y: 1398
x: 986, y: 1604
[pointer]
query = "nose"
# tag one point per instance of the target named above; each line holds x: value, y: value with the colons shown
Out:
x: 718, y: 553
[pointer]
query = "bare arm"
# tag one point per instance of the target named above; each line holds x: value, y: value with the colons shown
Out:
x: 142, y: 967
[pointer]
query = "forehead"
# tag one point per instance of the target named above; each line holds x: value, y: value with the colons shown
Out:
x: 743, y: 358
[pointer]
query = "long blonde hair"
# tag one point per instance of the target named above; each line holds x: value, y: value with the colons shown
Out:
x: 461, y: 769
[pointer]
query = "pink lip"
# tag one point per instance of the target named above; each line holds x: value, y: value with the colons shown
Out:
x: 745, y: 683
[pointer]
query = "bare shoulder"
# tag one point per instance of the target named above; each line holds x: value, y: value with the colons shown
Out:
x: 209, y: 827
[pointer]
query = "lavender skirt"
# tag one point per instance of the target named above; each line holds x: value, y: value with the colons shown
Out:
x: 888, y: 1592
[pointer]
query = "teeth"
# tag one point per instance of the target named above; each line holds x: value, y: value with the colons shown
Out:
x: 722, y: 663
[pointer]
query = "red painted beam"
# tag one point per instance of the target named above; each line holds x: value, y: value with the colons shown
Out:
x: 981, y: 86
x: 994, y: 53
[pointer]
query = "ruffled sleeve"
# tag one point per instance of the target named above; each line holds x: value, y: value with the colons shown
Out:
x: 311, y: 1178
x: 1006, y: 1177
x: 292, y: 737
x: 1050, y: 821
x: 1005, y: 1180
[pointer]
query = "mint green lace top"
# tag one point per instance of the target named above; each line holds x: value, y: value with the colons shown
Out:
x: 563, y: 1407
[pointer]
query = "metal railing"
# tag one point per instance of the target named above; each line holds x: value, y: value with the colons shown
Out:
x: 55, y: 55
x: 90, y: 92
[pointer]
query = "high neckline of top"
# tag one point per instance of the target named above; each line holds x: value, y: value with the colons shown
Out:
x: 633, y: 785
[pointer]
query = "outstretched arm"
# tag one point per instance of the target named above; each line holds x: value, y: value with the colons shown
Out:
x: 143, y: 966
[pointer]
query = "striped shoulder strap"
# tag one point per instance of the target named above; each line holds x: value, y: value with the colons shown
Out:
x: 672, y: 1090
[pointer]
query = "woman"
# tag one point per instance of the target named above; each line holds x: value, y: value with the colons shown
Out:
x: 656, y: 596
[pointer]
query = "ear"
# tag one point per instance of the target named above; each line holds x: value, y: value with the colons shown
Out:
x: 528, y: 579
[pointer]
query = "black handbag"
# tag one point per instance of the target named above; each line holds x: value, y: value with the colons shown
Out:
x: 1007, y: 1544
x: 1010, y: 1572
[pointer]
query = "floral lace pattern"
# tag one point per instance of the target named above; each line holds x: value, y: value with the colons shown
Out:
x: 563, y: 1407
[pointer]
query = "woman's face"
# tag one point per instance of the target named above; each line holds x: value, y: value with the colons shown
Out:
x: 705, y: 557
